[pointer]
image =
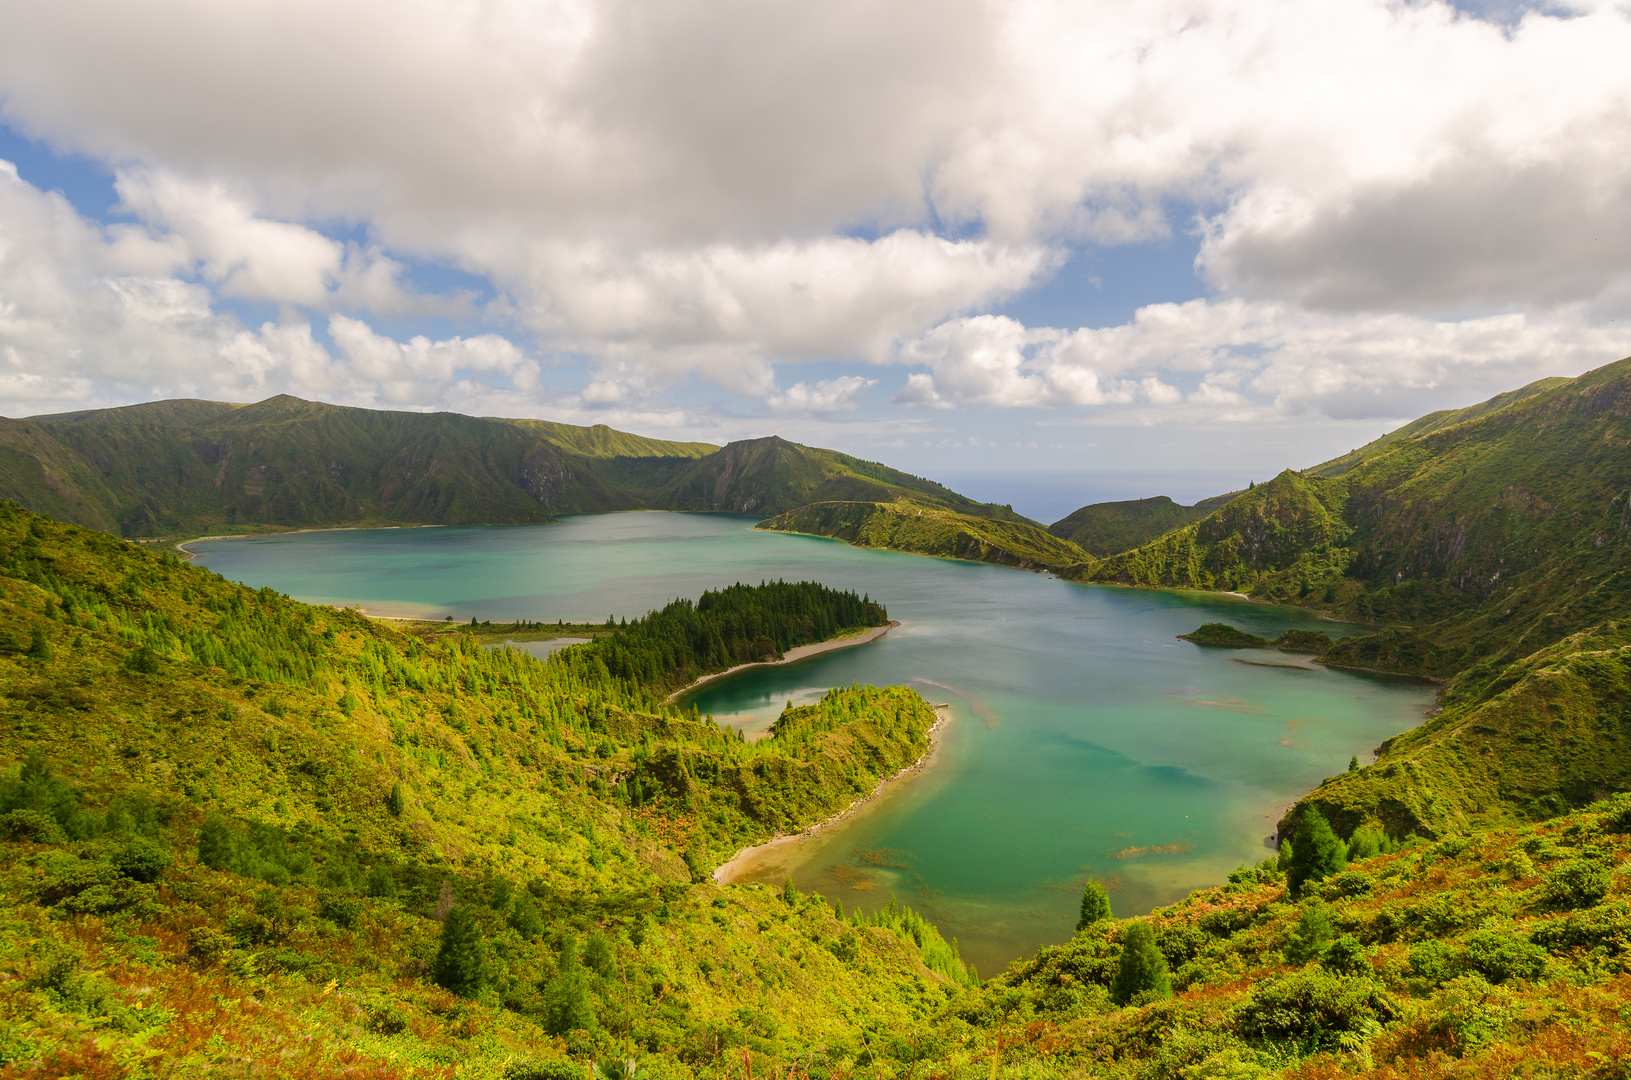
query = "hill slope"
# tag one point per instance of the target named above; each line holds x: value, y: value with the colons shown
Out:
x: 188, y: 467
x: 242, y: 835
x: 1107, y: 528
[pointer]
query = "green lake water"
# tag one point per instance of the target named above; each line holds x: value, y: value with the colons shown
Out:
x: 1085, y: 739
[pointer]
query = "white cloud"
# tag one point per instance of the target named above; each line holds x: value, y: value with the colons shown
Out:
x: 716, y: 187
x: 842, y: 394
x: 1255, y: 360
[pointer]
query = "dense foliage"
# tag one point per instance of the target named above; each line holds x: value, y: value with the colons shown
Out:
x: 740, y: 624
x: 924, y: 528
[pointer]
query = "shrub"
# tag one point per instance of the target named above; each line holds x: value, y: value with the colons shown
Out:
x: 598, y: 957
x: 1576, y: 884
x: 141, y: 859
x: 144, y: 661
x: 33, y: 825
x: 340, y: 909
x: 1313, y: 1004
x: 1142, y: 972
x: 1432, y: 960
x: 1347, y: 884
x: 1369, y: 841
x: 393, y: 801
x: 1499, y: 957
x: 542, y: 1069
x: 1346, y: 956
x: 525, y: 919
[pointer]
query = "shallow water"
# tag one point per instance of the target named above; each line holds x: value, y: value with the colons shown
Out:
x: 1085, y: 739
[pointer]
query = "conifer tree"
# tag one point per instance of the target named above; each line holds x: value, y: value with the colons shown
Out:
x: 1095, y: 906
x: 38, y: 647
x: 393, y: 801
x: 566, y: 1000
x: 1312, y: 934
x: 790, y: 895
x: 1316, y: 853
x: 461, y: 959
x: 215, y: 843
x: 1143, y: 970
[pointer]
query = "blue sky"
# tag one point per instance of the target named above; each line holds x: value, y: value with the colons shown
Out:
x: 1058, y: 254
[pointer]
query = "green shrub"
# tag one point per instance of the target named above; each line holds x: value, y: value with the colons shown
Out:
x: 340, y: 909
x: 542, y: 1069
x: 1606, y: 926
x: 35, y: 825
x: 1346, y: 956
x: 142, y: 859
x: 1348, y: 884
x: 1314, y: 1005
x: 1576, y: 884
x: 1432, y: 960
x: 1499, y: 957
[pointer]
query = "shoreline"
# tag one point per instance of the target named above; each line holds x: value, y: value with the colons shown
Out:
x: 727, y: 872
x: 802, y: 652
x: 181, y: 546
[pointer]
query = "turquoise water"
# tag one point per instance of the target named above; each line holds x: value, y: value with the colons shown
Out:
x: 1085, y: 740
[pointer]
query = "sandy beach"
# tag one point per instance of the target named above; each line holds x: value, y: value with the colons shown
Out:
x: 749, y: 858
x: 803, y: 652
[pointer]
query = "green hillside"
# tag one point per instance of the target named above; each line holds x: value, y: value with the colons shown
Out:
x: 241, y: 835
x: 1489, y: 550
x: 908, y: 525
x: 1108, y: 528
x: 172, y: 468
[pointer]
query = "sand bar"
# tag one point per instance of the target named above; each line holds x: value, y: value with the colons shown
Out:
x: 750, y: 858
x: 803, y: 652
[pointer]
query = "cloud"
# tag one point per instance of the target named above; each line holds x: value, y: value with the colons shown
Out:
x: 1251, y: 360
x: 716, y: 187
x: 842, y: 394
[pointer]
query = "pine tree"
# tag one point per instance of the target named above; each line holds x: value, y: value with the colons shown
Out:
x: 566, y: 1000
x: 1312, y: 934
x: 790, y: 895
x: 1095, y: 906
x: 38, y: 647
x: 216, y: 849
x: 1316, y: 853
x: 393, y: 801
x: 1143, y: 970
x: 461, y: 959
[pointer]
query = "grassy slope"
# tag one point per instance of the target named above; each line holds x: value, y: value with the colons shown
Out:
x: 513, y: 773
x: 189, y: 467
x: 1104, y: 529
x: 1492, y: 552
x: 931, y: 530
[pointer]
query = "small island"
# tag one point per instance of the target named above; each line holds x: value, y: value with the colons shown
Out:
x: 1231, y: 637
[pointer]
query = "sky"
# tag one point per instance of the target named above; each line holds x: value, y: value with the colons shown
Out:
x: 1046, y: 251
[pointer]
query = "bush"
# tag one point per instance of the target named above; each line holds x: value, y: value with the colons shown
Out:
x: 340, y: 909
x: 141, y: 859
x: 1347, y: 884
x: 1346, y: 956
x: 1142, y: 972
x: 1313, y: 1004
x: 542, y: 1069
x: 1499, y: 957
x: 1432, y: 960
x: 1576, y: 884
x: 144, y: 661
x: 33, y: 825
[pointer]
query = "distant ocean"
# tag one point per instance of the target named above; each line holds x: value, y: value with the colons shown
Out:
x: 1048, y: 497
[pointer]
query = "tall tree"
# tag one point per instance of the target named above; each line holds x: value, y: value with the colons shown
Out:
x: 1316, y: 853
x: 1143, y: 970
x: 1095, y: 906
x: 461, y: 960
